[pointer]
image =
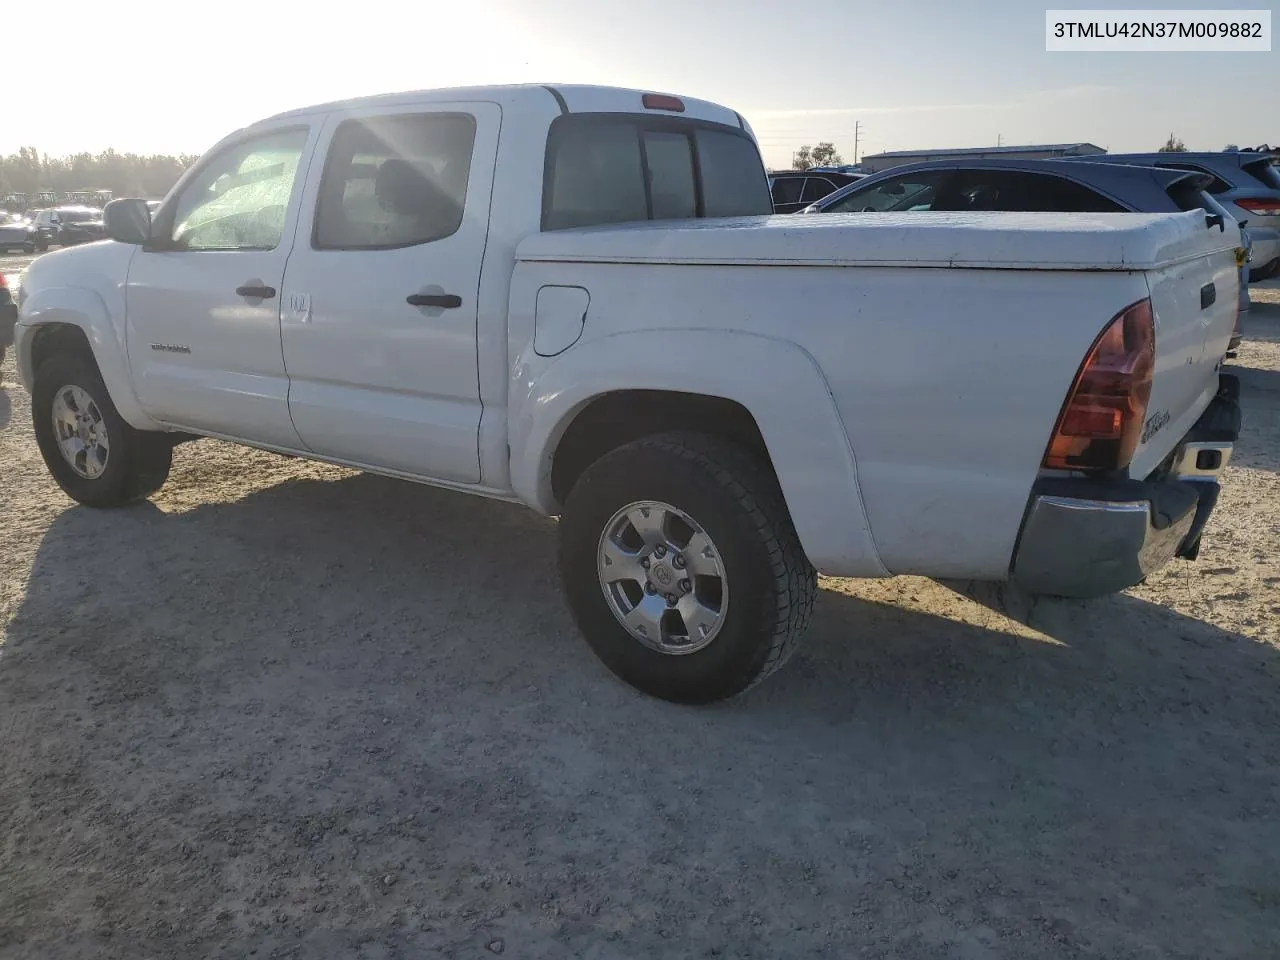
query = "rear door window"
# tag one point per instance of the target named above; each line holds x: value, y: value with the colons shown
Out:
x: 605, y: 168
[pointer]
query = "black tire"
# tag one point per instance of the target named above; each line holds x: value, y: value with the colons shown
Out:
x: 736, y: 500
x: 137, y: 461
x: 42, y: 246
x: 28, y: 248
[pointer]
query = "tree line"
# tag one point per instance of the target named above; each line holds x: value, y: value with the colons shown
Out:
x: 124, y: 174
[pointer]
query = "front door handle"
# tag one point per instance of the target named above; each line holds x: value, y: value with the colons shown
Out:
x: 447, y: 300
x: 256, y: 292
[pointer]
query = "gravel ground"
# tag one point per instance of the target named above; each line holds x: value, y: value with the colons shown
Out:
x: 288, y: 710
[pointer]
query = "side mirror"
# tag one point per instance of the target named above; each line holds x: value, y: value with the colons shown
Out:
x: 128, y: 221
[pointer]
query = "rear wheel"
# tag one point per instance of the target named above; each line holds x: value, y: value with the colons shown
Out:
x: 682, y: 567
x: 95, y: 457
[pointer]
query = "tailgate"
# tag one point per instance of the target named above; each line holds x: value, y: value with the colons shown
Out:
x: 1195, y: 303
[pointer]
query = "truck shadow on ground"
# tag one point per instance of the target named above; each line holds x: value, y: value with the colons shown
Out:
x: 251, y: 722
x: 6, y: 404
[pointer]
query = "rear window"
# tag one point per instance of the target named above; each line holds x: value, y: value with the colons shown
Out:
x: 1265, y: 172
x: 604, y: 168
x: 1217, y: 186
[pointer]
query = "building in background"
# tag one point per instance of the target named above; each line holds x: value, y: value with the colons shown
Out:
x: 876, y: 162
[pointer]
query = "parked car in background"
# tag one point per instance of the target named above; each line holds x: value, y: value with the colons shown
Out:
x: 67, y: 226
x: 17, y: 234
x: 1026, y: 185
x: 791, y: 190
x: 1247, y: 184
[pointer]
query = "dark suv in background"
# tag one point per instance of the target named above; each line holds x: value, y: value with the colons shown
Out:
x: 67, y: 226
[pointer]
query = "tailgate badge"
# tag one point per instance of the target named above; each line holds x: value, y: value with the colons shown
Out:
x: 1154, y: 424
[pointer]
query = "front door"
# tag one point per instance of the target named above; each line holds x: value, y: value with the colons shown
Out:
x: 379, y: 318
x: 203, y: 307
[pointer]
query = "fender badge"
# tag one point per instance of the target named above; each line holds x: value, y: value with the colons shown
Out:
x: 171, y: 347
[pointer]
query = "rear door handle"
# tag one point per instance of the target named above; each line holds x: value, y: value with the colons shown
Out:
x: 1208, y: 295
x: 447, y: 300
x: 256, y: 292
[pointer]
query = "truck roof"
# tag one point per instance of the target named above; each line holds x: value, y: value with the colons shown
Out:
x: 569, y: 98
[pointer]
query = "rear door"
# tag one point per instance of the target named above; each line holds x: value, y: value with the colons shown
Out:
x: 379, y: 316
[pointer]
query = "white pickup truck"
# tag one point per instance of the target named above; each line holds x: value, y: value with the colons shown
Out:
x: 577, y: 298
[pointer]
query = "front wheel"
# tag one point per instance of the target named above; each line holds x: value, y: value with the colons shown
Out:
x: 682, y: 567
x: 95, y: 457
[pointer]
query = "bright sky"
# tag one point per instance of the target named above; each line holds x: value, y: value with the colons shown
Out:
x: 169, y: 76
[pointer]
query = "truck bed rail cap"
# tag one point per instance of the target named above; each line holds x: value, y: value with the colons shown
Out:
x: 1027, y: 241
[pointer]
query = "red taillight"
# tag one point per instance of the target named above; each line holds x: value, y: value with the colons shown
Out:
x: 1101, y: 422
x: 1263, y: 208
x: 660, y: 101
x: 3, y: 281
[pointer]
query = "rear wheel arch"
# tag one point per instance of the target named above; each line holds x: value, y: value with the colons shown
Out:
x: 614, y: 419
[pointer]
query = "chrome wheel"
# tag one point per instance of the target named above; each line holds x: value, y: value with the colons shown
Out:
x: 662, y: 577
x: 80, y: 432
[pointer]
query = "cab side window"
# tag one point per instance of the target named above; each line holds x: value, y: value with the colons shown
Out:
x: 395, y: 181
x: 239, y: 199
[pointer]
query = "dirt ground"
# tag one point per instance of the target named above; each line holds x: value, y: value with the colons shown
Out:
x: 288, y: 710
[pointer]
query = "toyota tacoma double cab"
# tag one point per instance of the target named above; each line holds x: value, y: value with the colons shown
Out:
x: 578, y: 298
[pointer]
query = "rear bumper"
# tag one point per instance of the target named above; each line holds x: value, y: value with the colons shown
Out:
x: 1088, y: 538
